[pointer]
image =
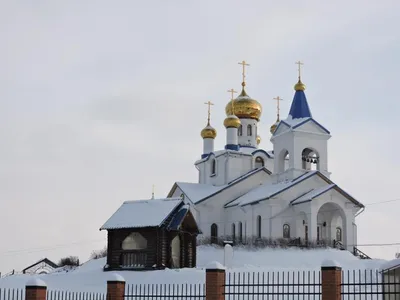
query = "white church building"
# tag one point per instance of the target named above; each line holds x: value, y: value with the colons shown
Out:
x: 244, y: 192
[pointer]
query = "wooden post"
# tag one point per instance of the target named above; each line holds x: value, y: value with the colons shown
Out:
x: 35, y: 289
x: 215, y: 282
x: 116, y: 287
x: 331, y: 274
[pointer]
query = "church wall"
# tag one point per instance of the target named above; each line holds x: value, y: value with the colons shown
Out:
x: 237, y: 165
x: 283, y: 213
x: 212, y: 210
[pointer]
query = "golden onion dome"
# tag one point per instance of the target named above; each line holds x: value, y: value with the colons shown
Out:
x: 258, y: 140
x: 245, y: 107
x: 232, y: 121
x: 208, y: 132
x: 274, y: 126
x: 299, y: 86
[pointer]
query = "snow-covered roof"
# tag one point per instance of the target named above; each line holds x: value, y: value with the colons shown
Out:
x: 142, y: 213
x: 390, y: 265
x: 266, y: 191
x: 312, y: 194
x: 197, y: 191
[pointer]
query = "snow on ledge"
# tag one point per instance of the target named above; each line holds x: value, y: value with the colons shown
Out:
x: 214, y: 265
x: 36, y: 282
x: 116, y: 277
x: 392, y: 264
x: 330, y: 263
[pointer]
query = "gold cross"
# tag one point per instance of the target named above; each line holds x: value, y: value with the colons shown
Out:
x: 209, y: 103
x: 244, y: 64
x: 232, y: 91
x: 277, y: 99
x: 299, y: 63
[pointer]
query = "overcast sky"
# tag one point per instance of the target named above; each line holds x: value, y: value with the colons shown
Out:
x: 101, y: 99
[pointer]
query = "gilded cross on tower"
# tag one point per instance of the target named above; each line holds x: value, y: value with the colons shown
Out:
x: 277, y: 99
x: 209, y: 103
x: 232, y: 91
x: 152, y: 192
x: 244, y: 64
x: 299, y: 64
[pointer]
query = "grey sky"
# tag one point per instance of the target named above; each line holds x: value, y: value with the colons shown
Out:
x: 101, y: 99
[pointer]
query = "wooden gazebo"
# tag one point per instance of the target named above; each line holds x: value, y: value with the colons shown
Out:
x: 151, y: 234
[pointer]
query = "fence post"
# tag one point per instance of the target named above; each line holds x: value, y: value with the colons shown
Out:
x: 116, y: 287
x: 35, y: 289
x: 215, y: 281
x: 331, y: 274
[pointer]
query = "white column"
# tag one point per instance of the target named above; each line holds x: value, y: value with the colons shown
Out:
x: 208, y: 145
x: 231, y: 136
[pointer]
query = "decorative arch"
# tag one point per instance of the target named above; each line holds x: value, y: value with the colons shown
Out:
x: 134, y: 241
x: 214, y: 234
x: 330, y: 217
x: 310, y: 159
x: 286, y: 231
x: 249, y: 130
x: 259, y: 227
x: 283, y: 160
x: 259, y: 162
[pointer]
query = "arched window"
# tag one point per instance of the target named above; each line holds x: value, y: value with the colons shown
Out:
x: 240, y: 232
x: 286, y: 231
x: 134, y: 241
x: 338, y: 234
x: 249, y: 130
x: 240, y: 130
x: 310, y: 159
x: 233, y: 232
x: 259, y: 162
x: 213, y: 166
x: 214, y: 233
x: 259, y: 226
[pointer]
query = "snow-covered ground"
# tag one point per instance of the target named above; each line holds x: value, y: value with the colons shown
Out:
x: 90, y: 276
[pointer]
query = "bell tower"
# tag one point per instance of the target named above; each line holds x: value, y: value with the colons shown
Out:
x: 300, y: 142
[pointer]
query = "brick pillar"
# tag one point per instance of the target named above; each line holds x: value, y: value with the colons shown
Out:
x: 116, y: 287
x: 35, y: 289
x: 331, y: 274
x: 215, y: 282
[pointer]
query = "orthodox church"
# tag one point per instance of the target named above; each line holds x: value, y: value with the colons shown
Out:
x: 243, y: 193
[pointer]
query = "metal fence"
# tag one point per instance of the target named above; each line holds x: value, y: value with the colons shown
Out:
x: 19, y: 294
x: 273, y: 285
x: 165, y: 291
x: 12, y: 294
x: 63, y: 295
x: 370, y: 284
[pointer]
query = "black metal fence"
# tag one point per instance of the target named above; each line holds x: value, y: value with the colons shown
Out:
x: 371, y: 284
x: 273, y: 285
x: 165, y: 291
x: 19, y: 294
x: 12, y: 294
x: 63, y: 295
